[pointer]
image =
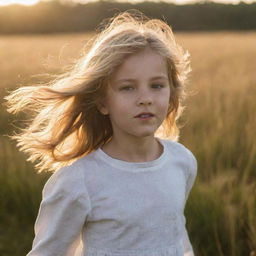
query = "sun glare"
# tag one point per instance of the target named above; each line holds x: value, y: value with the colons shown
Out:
x: 22, y: 2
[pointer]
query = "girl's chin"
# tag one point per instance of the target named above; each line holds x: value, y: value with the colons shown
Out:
x: 145, y: 134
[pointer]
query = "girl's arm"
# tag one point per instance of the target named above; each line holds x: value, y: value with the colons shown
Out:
x: 188, y: 249
x: 190, y: 179
x: 62, y: 214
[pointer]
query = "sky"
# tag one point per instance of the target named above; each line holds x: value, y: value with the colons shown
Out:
x: 32, y: 2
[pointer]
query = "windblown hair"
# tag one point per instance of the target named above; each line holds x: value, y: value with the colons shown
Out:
x: 66, y: 123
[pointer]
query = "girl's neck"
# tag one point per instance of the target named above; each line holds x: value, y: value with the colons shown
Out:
x: 140, y: 150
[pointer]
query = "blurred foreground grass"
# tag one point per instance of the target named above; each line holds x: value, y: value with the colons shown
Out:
x: 218, y: 126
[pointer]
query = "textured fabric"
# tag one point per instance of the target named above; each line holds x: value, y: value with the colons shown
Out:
x: 101, y: 206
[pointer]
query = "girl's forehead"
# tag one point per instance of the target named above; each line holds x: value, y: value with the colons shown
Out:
x: 146, y: 62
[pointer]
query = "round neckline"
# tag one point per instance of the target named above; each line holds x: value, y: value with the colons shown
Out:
x: 134, y: 166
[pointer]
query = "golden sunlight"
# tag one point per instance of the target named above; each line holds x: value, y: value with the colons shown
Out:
x: 22, y: 2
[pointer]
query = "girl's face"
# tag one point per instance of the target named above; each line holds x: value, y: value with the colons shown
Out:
x: 138, y: 94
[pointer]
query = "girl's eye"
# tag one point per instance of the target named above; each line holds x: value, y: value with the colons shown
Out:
x: 157, y: 86
x: 127, y: 88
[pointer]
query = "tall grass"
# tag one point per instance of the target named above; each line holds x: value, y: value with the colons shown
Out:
x: 218, y: 126
x: 19, y: 199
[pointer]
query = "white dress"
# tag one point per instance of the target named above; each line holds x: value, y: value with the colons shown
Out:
x: 101, y: 206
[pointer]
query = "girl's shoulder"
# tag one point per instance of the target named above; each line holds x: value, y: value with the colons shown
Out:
x: 183, y: 152
x: 67, y: 180
x: 177, y: 146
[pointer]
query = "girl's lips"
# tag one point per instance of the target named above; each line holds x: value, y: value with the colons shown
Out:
x: 144, y: 115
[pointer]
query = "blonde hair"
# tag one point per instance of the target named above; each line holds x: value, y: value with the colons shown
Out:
x: 66, y: 123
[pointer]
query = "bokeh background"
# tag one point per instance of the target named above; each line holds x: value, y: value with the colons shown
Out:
x: 40, y: 39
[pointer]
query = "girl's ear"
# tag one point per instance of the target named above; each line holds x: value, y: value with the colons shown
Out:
x: 101, y: 106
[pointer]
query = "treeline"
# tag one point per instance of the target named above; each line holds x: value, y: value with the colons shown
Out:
x: 52, y: 17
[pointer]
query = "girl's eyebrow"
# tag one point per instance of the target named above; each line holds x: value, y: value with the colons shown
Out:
x: 132, y: 80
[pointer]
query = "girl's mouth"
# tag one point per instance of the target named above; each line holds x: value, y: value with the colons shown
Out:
x: 144, y: 115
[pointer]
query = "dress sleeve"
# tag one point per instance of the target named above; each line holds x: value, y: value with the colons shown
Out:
x: 191, y: 174
x: 188, y: 249
x: 190, y: 179
x: 62, y: 214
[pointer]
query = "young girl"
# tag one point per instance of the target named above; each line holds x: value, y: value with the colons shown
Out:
x: 118, y: 188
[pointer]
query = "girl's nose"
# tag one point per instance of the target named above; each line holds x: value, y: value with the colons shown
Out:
x: 145, y: 99
x: 145, y: 102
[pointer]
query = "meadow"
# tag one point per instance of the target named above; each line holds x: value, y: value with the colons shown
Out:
x: 217, y: 125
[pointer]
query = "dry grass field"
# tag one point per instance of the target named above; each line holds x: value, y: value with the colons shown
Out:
x: 218, y: 125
